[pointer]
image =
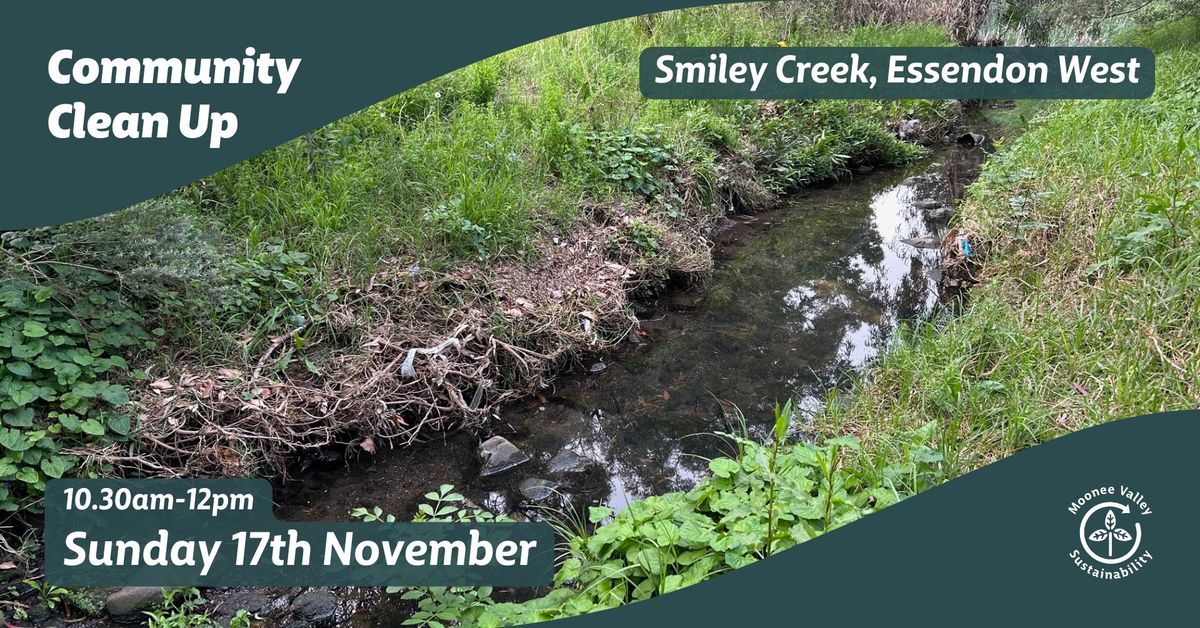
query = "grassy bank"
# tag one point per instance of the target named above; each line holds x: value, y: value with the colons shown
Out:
x: 1087, y: 307
x: 495, y: 219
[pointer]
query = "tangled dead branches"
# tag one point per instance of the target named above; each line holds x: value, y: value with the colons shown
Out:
x: 410, y: 352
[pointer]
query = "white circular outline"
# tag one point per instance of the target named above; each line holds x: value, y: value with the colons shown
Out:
x: 1137, y: 538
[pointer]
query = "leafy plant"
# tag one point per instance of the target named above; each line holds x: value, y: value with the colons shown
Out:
x: 240, y: 619
x: 634, y: 161
x: 645, y: 237
x: 770, y: 498
x: 88, y: 602
x: 63, y: 331
x: 49, y: 596
x: 180, y: 611
x: 437, y: 606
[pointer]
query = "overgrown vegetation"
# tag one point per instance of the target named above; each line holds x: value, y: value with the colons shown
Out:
x: 1085, y: 313
x: 185, y: 608
x: 63, y: 331
x: 767, y: 499
x: 762, y: 500
x: 274, y: 305
x: 494, y: 220
x: 1087, y: 310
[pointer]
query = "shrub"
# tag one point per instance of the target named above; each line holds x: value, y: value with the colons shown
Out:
x: 63, y: 331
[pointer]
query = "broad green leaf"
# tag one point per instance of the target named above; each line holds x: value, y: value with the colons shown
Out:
x: 21, y: 417
x: 23, y: 393
x: 20, y: 368
x: 723, y: 467
x: 56, y: 466
x: 33, y: 329
x: 93, y: 427
x: 23, y: 351
x: 650, y: 559
x: 14, y: 440
x: 596, y: 514
x: 85, y: 390
x: 69, y: 421
x: 119, y: 423
x: 114, y: 394
x: 28, y: 475
x: 67, y: 373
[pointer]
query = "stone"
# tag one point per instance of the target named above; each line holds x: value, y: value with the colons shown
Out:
x: 567, y: 461
x: 923, y: 242
x: 597, y: 367
x: 723, y: 224
x: 537, y: 489
x: 864, y: 169
x: 499, y: 455
x: 317, y: 608
x: 942, y: 213
x: 971, y: 139
x: 254, y: 602
x: 927, y: 203
x: 133, y: 600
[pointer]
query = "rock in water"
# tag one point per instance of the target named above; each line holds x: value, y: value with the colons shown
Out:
x: 941, y: 213
x: 537, y: 489
x: 316, y: 608
x: 567, y: 461
x: 927, y: 204
x: 971, y: 139
x: 255, y: 603
x: 923, y: 242
x: 130, y: 600
x: 499, y: 455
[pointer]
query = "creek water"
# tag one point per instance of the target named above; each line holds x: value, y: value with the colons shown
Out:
x: 800, y: 298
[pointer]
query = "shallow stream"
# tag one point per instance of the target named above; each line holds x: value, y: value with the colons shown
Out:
x: 800, y: 298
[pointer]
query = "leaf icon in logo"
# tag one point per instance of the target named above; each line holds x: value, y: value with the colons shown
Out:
x: 1109, y: 532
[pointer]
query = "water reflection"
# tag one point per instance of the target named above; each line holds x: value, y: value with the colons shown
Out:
x: 803, y: 296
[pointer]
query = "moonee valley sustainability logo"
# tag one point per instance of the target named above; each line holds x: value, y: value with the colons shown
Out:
x: 1110, y: 532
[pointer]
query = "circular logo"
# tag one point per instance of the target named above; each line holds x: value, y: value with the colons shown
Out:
x: 1110, y: 532
x: 1103, y: 537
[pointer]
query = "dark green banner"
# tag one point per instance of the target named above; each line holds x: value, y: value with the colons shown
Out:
x: 179, y: 532
x: 894, y: 73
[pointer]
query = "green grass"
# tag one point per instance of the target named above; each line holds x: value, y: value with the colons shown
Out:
x: 481, y: 161
x: 487, y: 162
x: 1090, y: 295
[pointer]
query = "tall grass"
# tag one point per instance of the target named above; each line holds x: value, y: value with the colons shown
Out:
x: 478, y: 162
x: 1090, y: 301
